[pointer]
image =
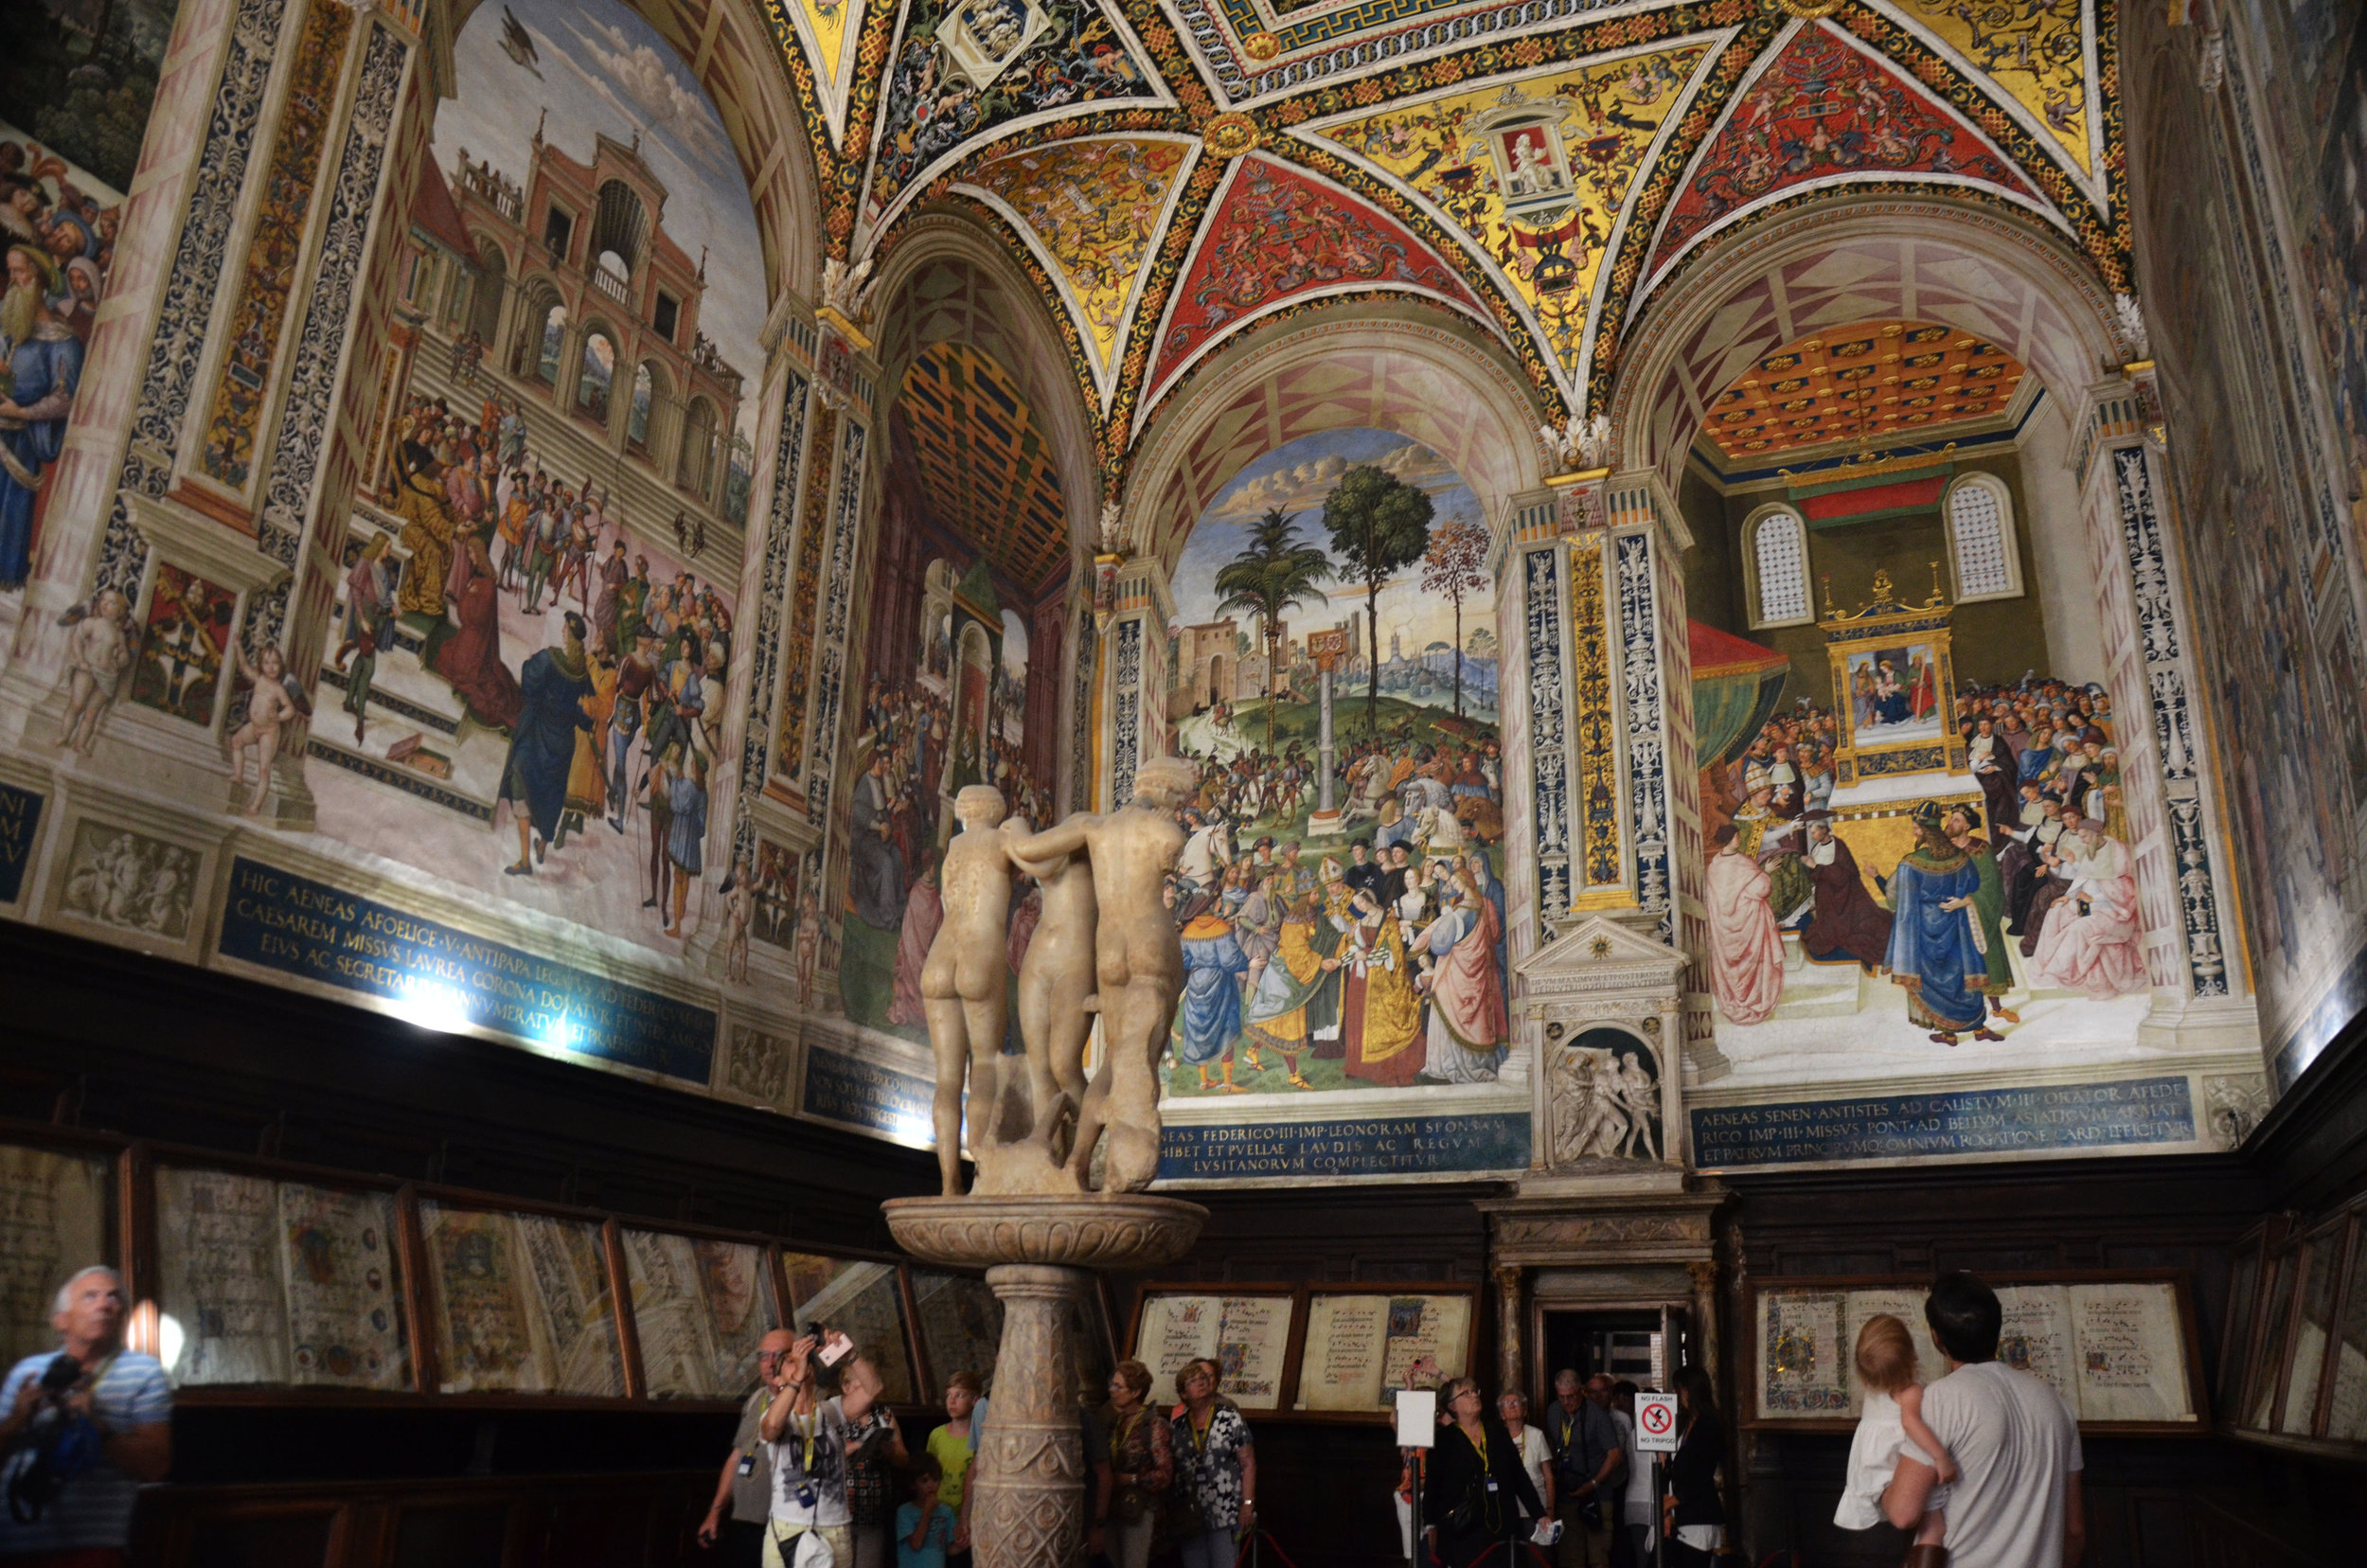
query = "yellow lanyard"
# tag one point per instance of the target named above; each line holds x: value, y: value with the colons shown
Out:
x: 808, y: 1429
x: 1480, y: 1443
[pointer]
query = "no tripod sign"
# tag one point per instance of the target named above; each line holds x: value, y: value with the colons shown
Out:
x: 1656, y: 1423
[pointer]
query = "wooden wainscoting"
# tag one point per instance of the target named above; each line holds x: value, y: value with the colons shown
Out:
x: 645, y: 1519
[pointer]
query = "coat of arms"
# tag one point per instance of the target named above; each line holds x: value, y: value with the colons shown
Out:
x: 981, y: 37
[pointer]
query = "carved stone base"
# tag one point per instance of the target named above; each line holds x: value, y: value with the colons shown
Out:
x: 1027, y: 1489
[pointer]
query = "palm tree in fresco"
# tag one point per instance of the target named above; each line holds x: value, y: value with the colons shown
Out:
x: 1276, y: 571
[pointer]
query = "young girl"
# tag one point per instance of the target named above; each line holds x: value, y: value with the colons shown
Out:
x: 924, y: 1527
x: 1892, y: 1417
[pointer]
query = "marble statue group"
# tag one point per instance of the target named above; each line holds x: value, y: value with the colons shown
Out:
x: 1106, y: 946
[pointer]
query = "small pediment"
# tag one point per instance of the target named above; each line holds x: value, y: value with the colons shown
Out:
x: 1598, y: 953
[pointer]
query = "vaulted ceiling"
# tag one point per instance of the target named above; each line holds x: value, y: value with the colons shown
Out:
x: 1172, y: 173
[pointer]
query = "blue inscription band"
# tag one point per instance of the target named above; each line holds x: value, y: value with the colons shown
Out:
x: 864, y: 1095
x: 1980, y: 1121
x: 278, y: 921
x: 1379, y: 1146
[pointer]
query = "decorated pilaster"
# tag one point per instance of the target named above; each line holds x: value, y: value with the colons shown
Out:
x: 231, y: 387
x: 756, y: 674
x: 2176, y: 832
x: 1135, y: 648
x: 826, y: 565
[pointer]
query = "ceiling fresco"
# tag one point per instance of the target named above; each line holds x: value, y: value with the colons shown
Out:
x: 1869, y: 381
x: 1172, y: 173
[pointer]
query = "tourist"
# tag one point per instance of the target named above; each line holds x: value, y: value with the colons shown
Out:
x: 1638, y: 1521
x: 89, y: 1396
x: 875, y: 1447
x: 1889, y: 1420
x: 743, y: 1494
x: 924, y: 1527
x: 1477, y: 1491
x: 1136, y: 1451
x: 1536, y: 1453
x: 807, y: 1438
x: 2016, y: 1504
x: 953, y: 1445
x: 1216, y: 1469
x: 1587, y: 1458
x: 1690, y: 1512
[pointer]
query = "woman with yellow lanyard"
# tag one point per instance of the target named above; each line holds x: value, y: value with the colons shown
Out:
x: 1216, y: 1470
x: 808, y: 1442
x: 1135, y: 1465
x: 1476, y: 1478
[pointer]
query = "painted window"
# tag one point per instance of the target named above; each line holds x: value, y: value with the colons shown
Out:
x: 1776, y: 542
x: 1980, y: 513
x: 553, y: 337
x: 644, y: 395
x: 597, y: 375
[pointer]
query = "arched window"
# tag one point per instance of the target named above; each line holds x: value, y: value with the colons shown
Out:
x: 553, y: 337
x: 644, y: 401
x: 1776, y: 568
x: 597, y: 375
x: 1980, y: 515
x: 485, y: 303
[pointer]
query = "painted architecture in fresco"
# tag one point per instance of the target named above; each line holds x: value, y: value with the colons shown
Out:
x: 479, y: 495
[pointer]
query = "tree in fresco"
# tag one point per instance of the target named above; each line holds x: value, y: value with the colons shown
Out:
x: 1276, y: 571
x: 1455, y: 568
x: 1378, y: 524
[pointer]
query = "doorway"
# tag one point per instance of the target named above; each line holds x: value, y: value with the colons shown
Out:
x: 1641, y: 1345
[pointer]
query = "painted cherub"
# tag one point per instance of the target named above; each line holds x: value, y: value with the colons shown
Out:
x: 99, y: 651
x: 277, y: 700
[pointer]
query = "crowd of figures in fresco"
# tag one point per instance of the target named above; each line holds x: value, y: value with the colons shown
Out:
x: 1375, y: 956
x: 617, y: 714
x: 60, y: 233
x: 2039, y: 869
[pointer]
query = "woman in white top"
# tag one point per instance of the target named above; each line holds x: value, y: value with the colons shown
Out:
x: 1535, y: 1454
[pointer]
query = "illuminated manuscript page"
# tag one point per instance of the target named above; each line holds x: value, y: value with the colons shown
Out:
x: 1425, y: 1346
x: 568, y: 1268
x: 216, y: 1244
x: 1803, y: 1363
x: 861, y: 1301
x: 343, y: 1288
x: 485, y: 1338
x: 2036, y: 1336
x: 2131, y: 1362
x: 1175, y: 1329
x: 1347, y: 1339
x: 1253, y: 1345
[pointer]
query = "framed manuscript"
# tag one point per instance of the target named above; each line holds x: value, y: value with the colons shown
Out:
x: 522, y: 1303
x: 53, y: 1222
x: 864, y: 1300
x: 700, y: 1308
x: 2121, y: 1351
x: 1363, y: 1346
x: 279, y: 1282
x: 1247, y: 1328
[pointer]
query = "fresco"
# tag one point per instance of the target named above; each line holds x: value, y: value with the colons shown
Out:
x: 523, y: 695
x: 1278, y: 235
x: 1362, y: 949
x: 80, y: 80
x: 1991, y: 928
x: 1535, y: 173
x: 964, y: 67
x: 1096, y: 208
x: 1822, y: 109
x: 2037, y: 50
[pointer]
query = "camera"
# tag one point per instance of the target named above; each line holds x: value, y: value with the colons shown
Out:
x: 63, y: 1445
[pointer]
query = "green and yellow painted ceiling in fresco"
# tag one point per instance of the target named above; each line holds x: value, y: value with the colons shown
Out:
x: 1544, y: 149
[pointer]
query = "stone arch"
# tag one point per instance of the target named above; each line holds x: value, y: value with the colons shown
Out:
x: 1383, y: 366
x: 950, y: 278
x: 1854, y: 259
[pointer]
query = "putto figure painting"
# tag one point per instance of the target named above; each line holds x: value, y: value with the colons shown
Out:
x: 1348, y: 933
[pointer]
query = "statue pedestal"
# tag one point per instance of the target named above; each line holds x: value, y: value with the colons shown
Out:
x: 1029, y: 1481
